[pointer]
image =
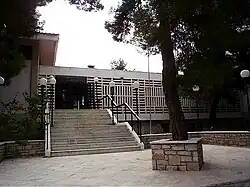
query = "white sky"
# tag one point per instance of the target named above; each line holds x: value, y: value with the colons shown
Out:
x: 84, y: 40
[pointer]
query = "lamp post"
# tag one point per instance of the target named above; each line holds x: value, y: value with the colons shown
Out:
x: 95, y: 92
x: 112, y: 90
x: 43, y: 83
x: 135, y: 86
x: 2, y: 80
x: 52, y: 82
x: 245, y: 74
x: 196, y: 89
x: 150, y: 95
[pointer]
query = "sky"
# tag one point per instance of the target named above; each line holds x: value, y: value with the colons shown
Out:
x: 84, y: 40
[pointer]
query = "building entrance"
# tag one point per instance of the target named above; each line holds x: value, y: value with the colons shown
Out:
x: 71, y: 93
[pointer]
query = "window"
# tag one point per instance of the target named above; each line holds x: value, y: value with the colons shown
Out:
x: 27, y: 51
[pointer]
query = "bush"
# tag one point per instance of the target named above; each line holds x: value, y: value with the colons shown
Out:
x: 20, y: 121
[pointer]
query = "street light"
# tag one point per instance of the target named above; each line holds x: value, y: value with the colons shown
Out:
x: 196, y: 89
x: 245, y: 74
x: 136, y: 86
x: 149, y: 94
x: 1, y: 80
x: 95, y: 92
x: 43, y: 83
x: 52, y: 82
x: 112, y: 90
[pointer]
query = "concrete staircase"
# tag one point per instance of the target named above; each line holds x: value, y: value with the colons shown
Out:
x: 79, y: 132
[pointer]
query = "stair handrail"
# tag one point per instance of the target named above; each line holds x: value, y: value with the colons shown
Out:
x: 104, y: 97
x: 132, y: 112
x: 129, y: 108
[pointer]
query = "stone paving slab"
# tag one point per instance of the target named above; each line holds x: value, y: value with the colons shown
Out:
x: 124, y: 169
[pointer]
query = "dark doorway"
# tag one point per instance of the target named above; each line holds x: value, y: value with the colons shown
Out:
x: 71, y: 92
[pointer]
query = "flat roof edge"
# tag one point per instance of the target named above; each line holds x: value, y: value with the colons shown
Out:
x: 46, y: 36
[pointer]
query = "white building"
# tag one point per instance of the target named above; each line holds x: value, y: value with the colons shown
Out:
x: 42, y: 50
x: 75, y: 88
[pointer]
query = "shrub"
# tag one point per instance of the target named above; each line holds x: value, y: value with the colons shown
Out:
x: 20, y: 121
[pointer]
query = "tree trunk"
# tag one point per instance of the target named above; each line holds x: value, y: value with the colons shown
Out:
x: 212, y: 115
x: 177, y: 121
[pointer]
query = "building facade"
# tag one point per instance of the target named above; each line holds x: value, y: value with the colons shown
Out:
x: 41, y: 50
x: 76, y: 88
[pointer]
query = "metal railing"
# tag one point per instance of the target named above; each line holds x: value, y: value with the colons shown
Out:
x: 129, y: 113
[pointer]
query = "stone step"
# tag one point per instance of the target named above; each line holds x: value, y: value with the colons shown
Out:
x: 86, y: 117
x: 90, y: 109
x: 83, y: 122
x: 87, y: 125
x: 90, y: 132
x: 77, y: 120
x: 94, y: 129
x: 90, y: 115
x: 90, y: 129
x: 88, y: 135
x: 85, y: 129
x: 71, y: 123
x: 99, y: 135
x: 77, y: 126
x: 81, y: 114
x: 56, y: 147
x: 83, y: 117
x: 67, y: 112
x: 82, y: 140
x: 94, y: 151
x: 92, y: 142
x: 81, y: 126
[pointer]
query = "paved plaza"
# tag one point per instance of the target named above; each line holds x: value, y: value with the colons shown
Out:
x: 124, y: 169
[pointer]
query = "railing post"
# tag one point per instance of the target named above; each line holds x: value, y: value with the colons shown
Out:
x: 137, y: 104
x: 138, y: 126
x: 93, y: 95
x: 117, y: 113
x: 47, y: 133
x: 112, y: 104
x: 42, y: 105
x: 52, y: 105
x: 112, y: 90
x: 113, y: 120
x: 131, y: 118
x: 140, y: 130
x: 95, y: 92
x: 125, y: 113
x: 109, y: 103
x: 51, y: 89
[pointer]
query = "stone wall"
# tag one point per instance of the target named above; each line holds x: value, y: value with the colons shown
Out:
x: 13, y: 149
x: 177, y: 155
x: 226, y: 138
x: 2, y: 151
x: 232, y: 138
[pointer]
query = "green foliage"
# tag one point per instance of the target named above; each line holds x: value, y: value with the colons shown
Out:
x: 198, y: 33
x: 118, y: 65
x: 20, y: 121
x: 18, y: 19
x: 87, y: 5
x: 213, y: 47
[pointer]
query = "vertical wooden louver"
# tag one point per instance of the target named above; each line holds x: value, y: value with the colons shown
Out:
x: 147, y: 91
